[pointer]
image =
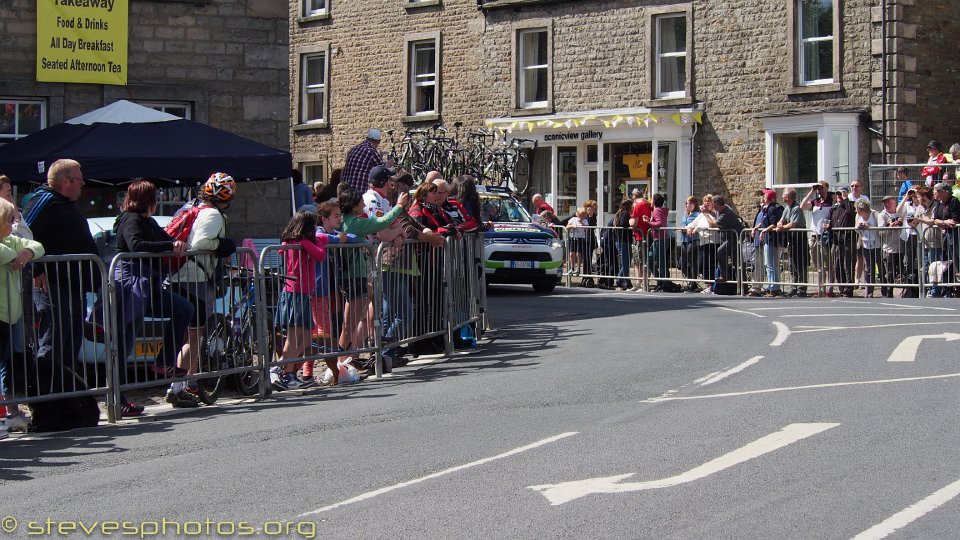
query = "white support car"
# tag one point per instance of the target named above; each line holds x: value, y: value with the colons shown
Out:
x: 518, y: 250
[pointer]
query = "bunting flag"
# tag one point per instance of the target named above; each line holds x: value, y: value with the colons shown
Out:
x: 676, y: 119
x: 698, y: 116
x: 608, y: 121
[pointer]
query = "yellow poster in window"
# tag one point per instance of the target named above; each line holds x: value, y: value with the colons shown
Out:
x: 82, y: 41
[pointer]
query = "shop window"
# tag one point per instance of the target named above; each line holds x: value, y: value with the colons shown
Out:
x: 21, y: 117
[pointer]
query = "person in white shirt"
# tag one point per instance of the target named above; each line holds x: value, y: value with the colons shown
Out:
x: 890, y: 244
x: 869, y: 242
x: 908, y: 208
x: 818, y: 202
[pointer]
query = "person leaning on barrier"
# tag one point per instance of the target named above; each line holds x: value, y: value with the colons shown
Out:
x: 892, y: 258
x: 795, y: 241
x: 907, y: 209
x: 194, y: 280
x: 946, y: 216
x: 15, y: 253
x: 140, y: 286
x: 932, y: 174
x: 60, y: 288
x: 766, y: 244
x: 867, y: 222
x: 355, y: 285
x: 730, y: 226
x: 843, y: 242
x: 818, y: 202
x: 930, y: 236
x: 689, y: 242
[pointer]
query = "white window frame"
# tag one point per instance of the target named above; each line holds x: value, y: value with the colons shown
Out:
x: 660, y: 56
x: 4, y: 101
x: 416, y: 81
x: 312, y: 180
x: 803, y: 43
x: 307, y: 11
x: 165, y: 106
x: 306, y: 90
x: 825, y: 125
x: 523, y: 68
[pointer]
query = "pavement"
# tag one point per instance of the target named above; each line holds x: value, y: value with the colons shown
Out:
x: 585, y: 413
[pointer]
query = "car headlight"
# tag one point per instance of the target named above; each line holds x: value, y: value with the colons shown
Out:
x: 556, y: 243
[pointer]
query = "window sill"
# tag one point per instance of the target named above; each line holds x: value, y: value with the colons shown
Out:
x: 494, y: 4
x: 311, y: 125
x: 313, y: 18
x: 670, y: 101
x: 532, y: 111
x: 814, y: 89
x: 432, y: 117
x: 410, y: 6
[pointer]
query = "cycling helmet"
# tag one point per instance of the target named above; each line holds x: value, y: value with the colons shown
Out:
x: 220, y: 186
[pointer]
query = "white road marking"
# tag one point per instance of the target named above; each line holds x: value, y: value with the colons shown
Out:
x: 705, y: 377
x: 731, y: 371
x: 567, y: 491
x: 911, y: 513
x: 826, y: 328
x: 484, y: 461
x: 925, y: 308
x: 741, y: 311
x: 783, y: 332
x: 806, y: 387
x: 906, y: 351
x: 865, y: 306
x: 911, y: 315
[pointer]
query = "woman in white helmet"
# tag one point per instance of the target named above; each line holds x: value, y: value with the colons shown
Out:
x: 193, y: 279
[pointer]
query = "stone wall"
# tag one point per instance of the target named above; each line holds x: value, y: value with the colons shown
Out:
x: 601, y: 59
x: 226, y: 57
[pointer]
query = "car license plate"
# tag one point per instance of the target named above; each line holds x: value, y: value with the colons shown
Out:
x: 523, y: 264
x: 147, y: 348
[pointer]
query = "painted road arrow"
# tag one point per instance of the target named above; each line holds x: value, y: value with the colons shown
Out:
x: 906, y: 351
x: 567, y: 491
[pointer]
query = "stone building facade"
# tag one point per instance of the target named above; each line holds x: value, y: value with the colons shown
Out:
x: 712, y: 96
x: 219, y: 62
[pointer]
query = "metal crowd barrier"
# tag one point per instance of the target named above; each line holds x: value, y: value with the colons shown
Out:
x: 940, y: 261
x: 59, y: 346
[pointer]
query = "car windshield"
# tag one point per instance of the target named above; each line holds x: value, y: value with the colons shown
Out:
x: 503, y: 210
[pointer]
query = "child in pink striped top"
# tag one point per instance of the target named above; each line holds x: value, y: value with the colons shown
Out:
x: 293, y: 310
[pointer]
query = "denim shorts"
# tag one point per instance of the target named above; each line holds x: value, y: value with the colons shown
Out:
x: 293, y: 309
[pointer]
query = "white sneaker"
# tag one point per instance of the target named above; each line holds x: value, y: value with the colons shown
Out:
x: 706, y: 291
x: 17, y: 422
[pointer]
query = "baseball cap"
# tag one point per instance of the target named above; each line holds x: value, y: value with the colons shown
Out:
x: 941, y: 186
x: 769, y: 193
x: 374, y: 134
x: 934, y: 144
x: 379, y: 175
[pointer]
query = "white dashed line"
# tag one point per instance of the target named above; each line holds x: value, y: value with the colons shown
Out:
x: 911, y: 513
x: 724, y: 374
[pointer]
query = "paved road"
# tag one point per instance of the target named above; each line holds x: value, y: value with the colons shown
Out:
x: 585, y: 414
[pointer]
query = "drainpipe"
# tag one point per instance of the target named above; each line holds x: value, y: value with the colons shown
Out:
x: 883, y: 81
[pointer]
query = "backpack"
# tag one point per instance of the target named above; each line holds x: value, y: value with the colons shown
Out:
x: 179, y: 229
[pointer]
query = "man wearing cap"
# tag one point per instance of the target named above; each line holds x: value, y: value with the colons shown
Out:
x: 946, y: 215
x: 766, y: 244
x: 361, y: 159
x: 931, y: 174
x: 892, y: 257
x: 730, y: 226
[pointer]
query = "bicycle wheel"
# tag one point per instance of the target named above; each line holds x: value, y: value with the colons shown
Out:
x: 244, y: 354
x: 214, y: 357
